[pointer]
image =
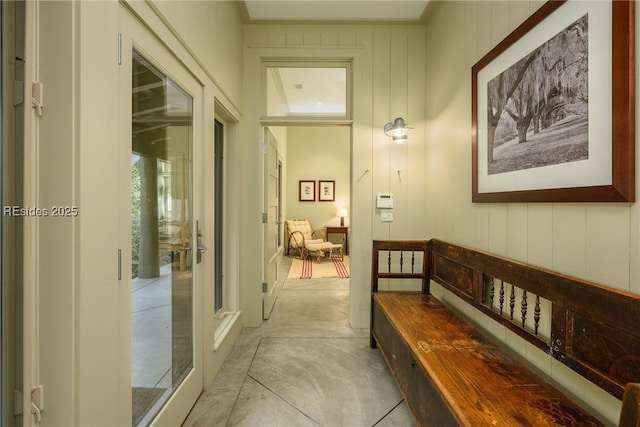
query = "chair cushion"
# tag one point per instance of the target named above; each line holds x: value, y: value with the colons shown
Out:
x: 302, y: 226
x: 312, y: 242
x: 316, y: 245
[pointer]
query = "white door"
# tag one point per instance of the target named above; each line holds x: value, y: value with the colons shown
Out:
x: 163, y: 104
x: 272, y: 283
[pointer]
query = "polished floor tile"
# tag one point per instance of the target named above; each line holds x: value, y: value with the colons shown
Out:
x: 333, y: 381
x: 305, y: 366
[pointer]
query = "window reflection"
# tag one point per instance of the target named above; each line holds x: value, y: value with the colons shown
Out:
x: 161, y: 241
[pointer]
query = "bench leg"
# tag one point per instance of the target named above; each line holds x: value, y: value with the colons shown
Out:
x: 630, y: 414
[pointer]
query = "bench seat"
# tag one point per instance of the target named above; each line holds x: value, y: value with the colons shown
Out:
x: 452, y: 374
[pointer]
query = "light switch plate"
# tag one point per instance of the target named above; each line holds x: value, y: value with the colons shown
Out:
x: 386, y: 216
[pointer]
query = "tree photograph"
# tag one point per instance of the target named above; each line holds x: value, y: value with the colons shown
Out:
x: 537, y: 109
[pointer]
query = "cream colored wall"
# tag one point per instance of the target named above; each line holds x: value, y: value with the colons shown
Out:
x: 388, y: 81
x: 318, y: 153
x: 598, y: 242
x: 77, y: 157
x: 212, y: 31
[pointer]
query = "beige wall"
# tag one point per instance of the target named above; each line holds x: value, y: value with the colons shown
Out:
x: 388, y: 72
x: 318, y: 153
x: 598, y: 242
x: 212, y: 31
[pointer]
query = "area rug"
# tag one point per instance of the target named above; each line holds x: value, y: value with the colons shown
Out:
x: 311, y: 269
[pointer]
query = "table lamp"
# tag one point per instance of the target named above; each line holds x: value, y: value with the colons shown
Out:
x: 342, y: 212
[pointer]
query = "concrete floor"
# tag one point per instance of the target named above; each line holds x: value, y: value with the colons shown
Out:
x: 305, y: 366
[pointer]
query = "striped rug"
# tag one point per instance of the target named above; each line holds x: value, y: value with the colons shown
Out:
x: 311, y: 269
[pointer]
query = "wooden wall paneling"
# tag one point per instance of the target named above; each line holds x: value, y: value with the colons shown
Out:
x: 398, y: 66
x: 311, y: 39
x: 398, y: 107
x: 347, y: 38
x: 500, y: 26
x: 362, y: 160
x: 382, y: 88
x: 498, y: 221
x: 330, y: 38
x: 414, y: 177
x: 441, y: 87
x: 517, y: 231
x: 463, y: 229
x: 295, y: 39
x: 540, y: 234
x: 535, y: 5
x: 569, y: 238
x: 518, y: 12
x: 483, y: 43
x: 607, y: 244
x: 484, y: 39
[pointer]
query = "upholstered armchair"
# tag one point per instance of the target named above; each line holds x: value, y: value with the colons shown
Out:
x: 300, y: 233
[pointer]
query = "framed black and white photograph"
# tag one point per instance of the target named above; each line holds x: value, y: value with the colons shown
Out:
x: 307, y: 191
x: 326, y: 191
x: 552, y: 108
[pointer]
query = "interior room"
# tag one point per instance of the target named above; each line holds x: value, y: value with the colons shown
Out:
x: 196, y: 196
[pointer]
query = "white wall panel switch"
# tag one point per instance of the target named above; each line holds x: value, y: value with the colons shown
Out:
x: 386, y: 216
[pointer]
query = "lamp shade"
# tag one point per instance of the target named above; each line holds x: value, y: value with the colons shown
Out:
x: 397, y: 130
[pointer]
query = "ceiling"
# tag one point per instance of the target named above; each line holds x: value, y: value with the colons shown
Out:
x: 335, y: 10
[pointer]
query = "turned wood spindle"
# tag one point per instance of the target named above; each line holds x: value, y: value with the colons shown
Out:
x: 523, y: 307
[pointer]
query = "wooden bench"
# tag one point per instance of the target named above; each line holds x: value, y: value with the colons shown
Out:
x: 450, y: 372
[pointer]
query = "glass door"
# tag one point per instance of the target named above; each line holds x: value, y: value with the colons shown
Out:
x: 161, y: 239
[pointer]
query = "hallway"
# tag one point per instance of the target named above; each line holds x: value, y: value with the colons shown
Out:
x: 305, y: 366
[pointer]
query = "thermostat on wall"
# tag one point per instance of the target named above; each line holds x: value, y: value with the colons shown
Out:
x: 384, y: 201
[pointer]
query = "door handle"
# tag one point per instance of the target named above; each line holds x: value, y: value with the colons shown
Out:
x: 200, y: 248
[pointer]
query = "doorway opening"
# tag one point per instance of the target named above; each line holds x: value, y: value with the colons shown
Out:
x: 307, y: 120
x: 316, y: 160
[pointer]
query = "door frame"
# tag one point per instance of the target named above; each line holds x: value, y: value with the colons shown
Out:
x: 136, y: 36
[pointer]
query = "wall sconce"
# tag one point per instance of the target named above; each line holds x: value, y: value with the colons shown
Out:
x: 397, y: 130
x: 342, y: 212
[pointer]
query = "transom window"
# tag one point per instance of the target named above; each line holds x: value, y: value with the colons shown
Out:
x: 304, y: 91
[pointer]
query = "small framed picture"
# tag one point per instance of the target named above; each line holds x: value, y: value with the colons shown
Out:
x: 327, y: 191
x: 307, y: 191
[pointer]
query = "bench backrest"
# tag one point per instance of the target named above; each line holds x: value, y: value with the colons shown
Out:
x: 591, y: 328
x: 400, y: 262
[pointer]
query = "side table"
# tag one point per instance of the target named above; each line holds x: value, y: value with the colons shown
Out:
x: 339, y: 230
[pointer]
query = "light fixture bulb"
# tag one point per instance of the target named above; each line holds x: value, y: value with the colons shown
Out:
x: 397, y: 130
